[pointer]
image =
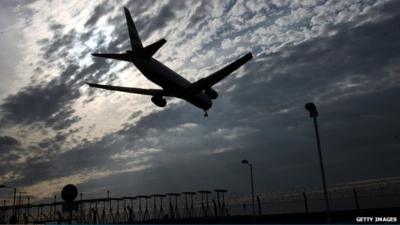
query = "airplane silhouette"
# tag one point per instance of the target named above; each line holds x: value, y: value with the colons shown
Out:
x: 199, y: 93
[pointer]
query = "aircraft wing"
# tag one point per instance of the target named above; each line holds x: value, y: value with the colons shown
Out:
x: 152, y: 92
x: 123, y: 57
x: 216, y: 77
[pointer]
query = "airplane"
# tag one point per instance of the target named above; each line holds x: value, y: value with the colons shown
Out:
x: 199, y: 93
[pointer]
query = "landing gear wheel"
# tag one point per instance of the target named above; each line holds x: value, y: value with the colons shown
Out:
x: 205, y: 113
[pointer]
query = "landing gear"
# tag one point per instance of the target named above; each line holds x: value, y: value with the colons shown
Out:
x: 205, y: 113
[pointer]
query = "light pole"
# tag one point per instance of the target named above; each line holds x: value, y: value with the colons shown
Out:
x: 310, y: 107
x: 15, y: 195
x: 244, y: 161
x: 20, y: 201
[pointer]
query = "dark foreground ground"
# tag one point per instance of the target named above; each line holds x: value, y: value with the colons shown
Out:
x: 348, y: 216
x: 391, y: 215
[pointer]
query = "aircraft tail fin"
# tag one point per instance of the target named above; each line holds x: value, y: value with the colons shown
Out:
x: 137, y: 47
x: 136, y: 43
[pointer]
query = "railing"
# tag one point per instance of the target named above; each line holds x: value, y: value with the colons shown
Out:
x: 383, y: 193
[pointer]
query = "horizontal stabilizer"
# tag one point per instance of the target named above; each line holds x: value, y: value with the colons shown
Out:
x: 123, y: 57
x: 152, y: 92
x: 150, y: 50
x: 216, y: 77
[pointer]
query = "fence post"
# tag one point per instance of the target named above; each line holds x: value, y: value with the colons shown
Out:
x: 305, y: 202
x: 356, y: 199
x: 215, y: 208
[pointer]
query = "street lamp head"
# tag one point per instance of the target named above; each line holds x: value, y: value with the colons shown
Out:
x: 312, y: 109
x: 244, y: 161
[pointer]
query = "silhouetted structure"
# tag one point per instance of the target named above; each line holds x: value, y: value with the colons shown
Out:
x: 221, y: 209
x: 205, y: 206
x: 252, y: 188
x: 381, y: 197
x: 189, y: 207
x: 158, y: 211
x: 173, y: 205
x: 199, y: 93
x: 314, y: 114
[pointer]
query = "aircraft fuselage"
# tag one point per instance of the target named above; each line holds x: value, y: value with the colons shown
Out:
x: 170, y: 81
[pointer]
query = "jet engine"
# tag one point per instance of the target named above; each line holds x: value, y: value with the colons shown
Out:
x: 159, y: 101
x: 211, y: 93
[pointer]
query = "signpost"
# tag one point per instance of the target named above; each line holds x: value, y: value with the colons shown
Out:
x: 69, y: 194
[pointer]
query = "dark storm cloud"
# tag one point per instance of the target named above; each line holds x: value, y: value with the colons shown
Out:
x: 54, y: 144
x: 50, y: 103
x: 62, y: 119
x: 96, y: 157
x: 7, y: 143
x: 8, y: 146
x: 39, y: 104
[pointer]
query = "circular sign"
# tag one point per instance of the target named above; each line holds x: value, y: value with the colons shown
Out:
x: 69, y: 193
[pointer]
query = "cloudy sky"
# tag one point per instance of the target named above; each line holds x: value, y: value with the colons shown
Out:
x: 54, y: 130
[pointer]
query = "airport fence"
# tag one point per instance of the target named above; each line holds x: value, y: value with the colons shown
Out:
x: 162, y: 208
